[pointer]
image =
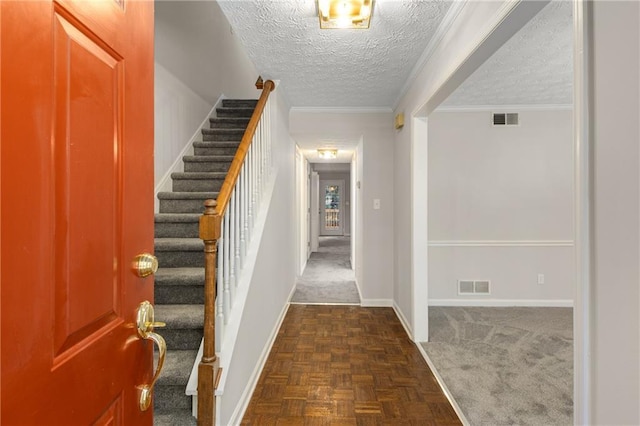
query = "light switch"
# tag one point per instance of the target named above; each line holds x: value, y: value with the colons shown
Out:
x: 376, y: 204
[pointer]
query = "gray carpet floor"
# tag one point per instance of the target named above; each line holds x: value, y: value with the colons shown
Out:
x: 505, y: 366
x: 328, y: 277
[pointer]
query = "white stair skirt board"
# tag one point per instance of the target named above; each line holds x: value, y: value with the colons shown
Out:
x: 443, y: 386
x: 243, y: 403
x: 235, y: 316
x: 502, y: 303
x: 164, y: 185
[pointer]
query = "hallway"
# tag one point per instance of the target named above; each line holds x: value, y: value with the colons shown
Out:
x: 328, y: 277
x: 346, y: 365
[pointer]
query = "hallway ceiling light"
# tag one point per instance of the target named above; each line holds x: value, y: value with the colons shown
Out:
x: 354, y: 14
x: 328, y: 154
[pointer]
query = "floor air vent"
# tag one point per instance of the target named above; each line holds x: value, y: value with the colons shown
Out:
x: 470, y: 287
x: 505, y: 119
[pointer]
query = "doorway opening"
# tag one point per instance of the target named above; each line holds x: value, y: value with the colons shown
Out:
x: 326, y: 212
x: 501, y: 213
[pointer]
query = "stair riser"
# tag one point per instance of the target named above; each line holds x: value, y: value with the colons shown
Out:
x: 239, y: 103
x: 179, y: 294
x: 206, y: 166
x: 181, y: 206
x: 234, y: 113
x: 229, y: 123
x: 168, y: 398
x: 180, y: 339
x: 177, y: 229
x: 197, y: 185
x: 215, y: 151
x: 180, y: 259
x: 222, y: 137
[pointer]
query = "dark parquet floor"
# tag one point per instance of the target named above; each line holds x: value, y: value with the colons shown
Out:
x: 346, y: 365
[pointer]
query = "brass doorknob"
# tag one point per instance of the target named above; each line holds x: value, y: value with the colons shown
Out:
x: 145, y: 264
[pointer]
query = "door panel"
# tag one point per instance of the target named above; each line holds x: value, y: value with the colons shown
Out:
x: 89, y: 84
x: 332, y: 206
x: 77, y: 206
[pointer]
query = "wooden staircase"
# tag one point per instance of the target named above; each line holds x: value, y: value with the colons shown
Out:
x: 179, y: 282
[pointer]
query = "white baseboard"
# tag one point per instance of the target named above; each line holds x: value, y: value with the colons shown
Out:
x: 164, y: 185
x: 375, y: 303
x: 358, y: 288
x: 293, y: 290
x: 403, y: 320
x: 443, y: 386
x: 502, y: 302
x: 243, y: 403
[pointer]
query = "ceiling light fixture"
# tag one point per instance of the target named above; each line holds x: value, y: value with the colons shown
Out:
x: 328, y: 154
x: 354, y: 14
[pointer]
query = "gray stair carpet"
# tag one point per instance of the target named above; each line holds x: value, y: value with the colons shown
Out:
x: 179, y: 282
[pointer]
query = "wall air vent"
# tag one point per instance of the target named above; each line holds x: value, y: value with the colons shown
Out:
x: 473, y: 287
x: 505, y: 119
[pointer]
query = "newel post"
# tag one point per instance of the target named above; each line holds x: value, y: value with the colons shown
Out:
x: 209, y: 367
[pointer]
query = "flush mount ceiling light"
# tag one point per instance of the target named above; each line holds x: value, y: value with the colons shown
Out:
x: 345, y: 13
x: 328, y: 154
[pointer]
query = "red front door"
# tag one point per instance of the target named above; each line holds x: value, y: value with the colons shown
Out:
x: 76, y: 207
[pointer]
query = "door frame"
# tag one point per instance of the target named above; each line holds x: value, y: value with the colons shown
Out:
x: 315, y: 211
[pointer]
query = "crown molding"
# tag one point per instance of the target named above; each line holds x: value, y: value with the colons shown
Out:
x: 509, y: 108
x: 443, y: 28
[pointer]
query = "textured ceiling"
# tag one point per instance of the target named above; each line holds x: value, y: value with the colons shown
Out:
x: 338, y: 68
x: 335, y: 68
x: 535, y: 67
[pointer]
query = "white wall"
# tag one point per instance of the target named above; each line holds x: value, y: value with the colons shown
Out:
x: 375, y: 267
x: 179, y: 111
x: 194, y: 42
x: 615, y: 297
x: 274, y: 273
x: 198, y: 60
x: 501, y: 206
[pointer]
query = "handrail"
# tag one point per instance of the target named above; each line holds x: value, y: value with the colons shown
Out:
x: 225, y: 228
x: 234, y: 169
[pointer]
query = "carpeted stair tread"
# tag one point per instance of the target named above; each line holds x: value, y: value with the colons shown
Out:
x: 184, y: 195
x: 239, y: 103
x: 216, y: 144
x: 198, y: 175
x: 179, y: 244
x: 180, y: 202
x: 229, y: 123
x: 208, y: 158
x: 217, y: 131
x: 177, y: 367
x: 177, y: 418
x: 222, y: 134
x: 216, y: 148
x: 177, y: 217
x: 179, y: 276
x: 180, y: 316
x: 234, y: 112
